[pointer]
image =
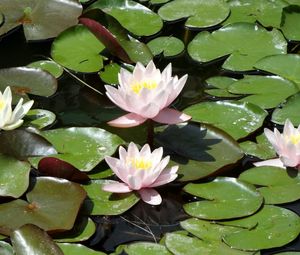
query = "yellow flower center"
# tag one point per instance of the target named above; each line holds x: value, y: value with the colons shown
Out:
x: 295, y: 139
x: 136, y: 87
x: 2, y: 104
x: 140, y: 163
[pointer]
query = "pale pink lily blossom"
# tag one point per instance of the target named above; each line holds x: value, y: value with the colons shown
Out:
x: 11, y: 119
x: 146, y: 94
x: 140, y: 171
x: 286, y: 145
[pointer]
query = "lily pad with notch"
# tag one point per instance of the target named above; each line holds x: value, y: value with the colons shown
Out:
x: 199, y: 150
x: 224, y: 198
x: 218, y: 86
x: 39, y: 118
x: 169, y: 46
x: 290, y: 17
x: 47, y: 65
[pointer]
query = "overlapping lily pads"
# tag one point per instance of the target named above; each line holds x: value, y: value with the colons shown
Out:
x: 199, y: 13
x: 127, y: 12
x: 264, y: 91
x: 270, y: 227
x: 199, y: 150
x: 225, y: 198
x: 41, y: 19
x: 218, y: 86
x: 55, y: 69
x: 78, y: 49
x: 239, y: 119
x: 277, y: 185
x: 52, y: 204
x: 169, y: 46
x: 100, y: 202
x: 83, y: 148
x: 237, y: 40
x: 27, y: 80
x: 290, y: 17
x: 39, y: 118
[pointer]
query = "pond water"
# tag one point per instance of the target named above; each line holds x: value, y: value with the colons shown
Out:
x: 202, y: 151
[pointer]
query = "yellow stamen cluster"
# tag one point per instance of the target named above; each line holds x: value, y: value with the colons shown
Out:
x: 2, y: 104
x: 136, y: 87
x: 140, y: 163
x: 295, y: 139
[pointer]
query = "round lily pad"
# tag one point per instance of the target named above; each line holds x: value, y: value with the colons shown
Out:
x: 278, y: 185
x: 264, y: 91
x: 39, y: 118
x: 199, y: 13
x: 77, y: 249
x: 41, y: 19
x: 198, y: 150
x: 55, y: 69
x: 83, y: 148
x: 239, y: 119
x: 101, y: 202
x: 273, y: 227
x: 29, y: 239
x: 262, y: 149
x: 53, y: 204
x: 289, y: 110
x: 218, y: 86
x: 225, y: 198
x: 285, y: 65
x: 27, y: 80
x: 127, y: 12
x: 78, y: 49
x: 290, y: 17
x: 169, y: 46
x: 110, y: 73
x: 14, y: 176
x: 237, y: 40
x: 267, y: 13
x: 144, y: 248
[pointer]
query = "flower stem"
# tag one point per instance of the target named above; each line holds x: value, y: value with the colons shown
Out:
x: 150, y: 136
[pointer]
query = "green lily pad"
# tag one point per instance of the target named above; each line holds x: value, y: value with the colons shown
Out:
x: 287, y: 66
x: 127, y: 12
x: 288, y: 253
x: 100, y: 202
x: 199, y: 13
x: 239, y: 119
x: 55, y: 69
x: 14, y: 176
x: 41, y: 19
x: 289, y: 110
x: 159, y: 1
x: 237, y: 40
x: 226, y: 198
x: 39, y: 118
x: 84, y: 148
x: 77, y: 249
x: 27, y: 80
x: 183, y: 245
x: 53, y: 204
x: 218, y: 86
x: 267, y: 13
x: 274, y: 227
x: 29, y: 239
x: 6, y: 249
x: 290, y: 17
x: 83, y: 229
x: 264, y: 91
x: 110, y: 73
x: 199, y: 150
x: 144, y: 248
x: 169, y: 46
x: 278, y: 185
x: 262, y: 149
x: 78, y: 49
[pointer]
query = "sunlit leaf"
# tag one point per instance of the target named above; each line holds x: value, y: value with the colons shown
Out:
x: 169, y: 46
x: 290, y: 17
x: 39, y: 118
x: 78, y: 249
x: 218, y: 86
x: 55, y: 69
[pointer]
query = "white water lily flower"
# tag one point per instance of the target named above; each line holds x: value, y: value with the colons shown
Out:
x: 12, y: 119
x: 146, y: 94
x: 286, y: 145
x: 140, y: 171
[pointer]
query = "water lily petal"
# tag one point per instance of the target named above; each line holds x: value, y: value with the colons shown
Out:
x: 150, y: 196
x: 114, y: 165
x: 270, y: 162
x: 171, y: 116
x: 177, y: 88
x: 117, y: 187
x: 168, y: 175
x: 13, y: 125
x: 127, y: 120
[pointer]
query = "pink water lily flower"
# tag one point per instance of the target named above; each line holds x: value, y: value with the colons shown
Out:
x: 141, y: 171
x: 11, y: 119
x: 286, y: 145
x: 146, y: 94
